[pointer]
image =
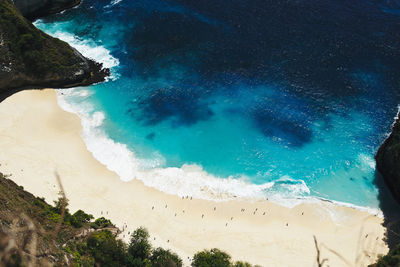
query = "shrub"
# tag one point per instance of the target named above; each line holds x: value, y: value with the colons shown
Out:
x: 79, y: 218
x: 101, y: 223
x: 165, y: 258
x: 60, y: 204
x: 211, y: 258
x: 389, y: 260
x: 241, y: 264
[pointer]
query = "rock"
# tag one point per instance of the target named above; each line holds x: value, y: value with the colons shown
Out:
x: 31, y: 58
x: 388, y: 160
x: 33, y: 9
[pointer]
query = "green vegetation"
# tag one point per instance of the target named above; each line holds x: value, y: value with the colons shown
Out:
x: 102, y: 248
x: 392, y: 259
x: 139, y: 247
x: 216, y: 258
x: 77, y: 220
x: 241, y: 264
x: 36, y: 51
x: 212, y: 258
x: 65, y: 239
x: 101, y: 223
x: 30, y: 57
x: 165, y: 258
x: 105, y: 249
x: 24, y: 218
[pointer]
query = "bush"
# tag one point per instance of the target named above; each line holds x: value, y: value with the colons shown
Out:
x: 79, y: 218
x: 211, y: 258
x: 106, y: 249
x: 390, y: 260
x: 60, y: 204
x: 241, y: 264
x: 101, y: 223
x: 165, y: 258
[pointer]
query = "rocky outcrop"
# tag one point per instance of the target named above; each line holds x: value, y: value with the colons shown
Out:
x: 31, y: 58
x: 33, y: 9
x: 388, y: 160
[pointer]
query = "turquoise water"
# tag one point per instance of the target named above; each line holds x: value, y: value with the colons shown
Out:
x: 297, y: 108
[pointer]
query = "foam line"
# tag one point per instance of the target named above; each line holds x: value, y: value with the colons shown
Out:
x: 87, y: 48
x: 189, y: 180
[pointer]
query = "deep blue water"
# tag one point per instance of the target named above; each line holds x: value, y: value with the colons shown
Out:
x: 276, y: 91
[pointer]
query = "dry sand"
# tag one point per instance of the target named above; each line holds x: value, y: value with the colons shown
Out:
x: 38, y: 138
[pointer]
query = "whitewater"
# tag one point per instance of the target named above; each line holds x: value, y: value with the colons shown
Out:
x: 302, y: 153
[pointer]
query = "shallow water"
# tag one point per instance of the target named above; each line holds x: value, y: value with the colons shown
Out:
x: 289, y: 99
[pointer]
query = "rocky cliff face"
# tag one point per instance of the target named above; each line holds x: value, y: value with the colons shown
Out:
x: 31, y: 58
x: 33, y: 9
x: 388, y: 160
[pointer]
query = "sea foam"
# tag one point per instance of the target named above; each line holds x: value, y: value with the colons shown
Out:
x: 189, y: 179
x: 113, y: 3
x: 86, y: 47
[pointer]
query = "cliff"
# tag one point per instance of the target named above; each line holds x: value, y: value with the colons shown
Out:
x: 34, y: 233
x: 33, y: 9
x: 388, y: 160
x: 31, y: 58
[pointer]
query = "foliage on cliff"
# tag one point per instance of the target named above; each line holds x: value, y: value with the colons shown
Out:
x: 34, y: 232
x: 29, y: 57
x: 392, y: 259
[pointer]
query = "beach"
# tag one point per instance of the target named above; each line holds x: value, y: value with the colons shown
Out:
x: 39, y: 139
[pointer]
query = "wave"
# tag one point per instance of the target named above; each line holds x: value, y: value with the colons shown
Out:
x: 87, y: 47
x: 113, y: 3
x: 397, y: 115
x: 91, y: 50
x: 189, y: 179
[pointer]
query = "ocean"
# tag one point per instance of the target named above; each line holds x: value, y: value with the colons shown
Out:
x: 280, y: 100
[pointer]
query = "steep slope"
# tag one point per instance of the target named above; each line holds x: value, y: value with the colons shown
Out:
x: 388, y: 160
x: 31, y: 58
x: 30, y: 229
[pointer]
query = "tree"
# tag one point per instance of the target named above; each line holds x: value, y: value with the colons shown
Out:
x: 165, y: 258
x: 139, y: 247
x: 211, y: 258
x: 106, y: 250
x: 79, y: 218
x: 60, y: 204
x: 389, y: 260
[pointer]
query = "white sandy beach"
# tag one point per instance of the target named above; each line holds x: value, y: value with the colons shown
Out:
x: 38, y: 138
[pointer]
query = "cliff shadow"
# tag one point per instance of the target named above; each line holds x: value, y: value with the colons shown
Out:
x: 391, y: 211
x: 9, y: 92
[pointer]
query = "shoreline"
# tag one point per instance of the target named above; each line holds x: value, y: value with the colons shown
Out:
x: 188, y: 179
x: 41, y: 138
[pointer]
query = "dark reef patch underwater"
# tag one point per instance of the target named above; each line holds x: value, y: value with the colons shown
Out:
x: 296, y: 94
